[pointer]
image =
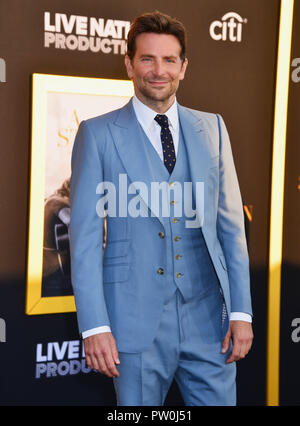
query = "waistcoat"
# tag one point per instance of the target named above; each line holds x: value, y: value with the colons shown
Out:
x: 189, y: 267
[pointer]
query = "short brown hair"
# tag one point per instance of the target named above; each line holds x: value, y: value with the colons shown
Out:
x: 159, y: 23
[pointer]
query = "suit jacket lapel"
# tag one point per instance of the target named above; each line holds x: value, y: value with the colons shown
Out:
x: 126, y: 133
x: 199, y: 150
x: 197, y: 143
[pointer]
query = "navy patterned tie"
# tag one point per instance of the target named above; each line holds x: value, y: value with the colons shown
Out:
x: 167, y: 142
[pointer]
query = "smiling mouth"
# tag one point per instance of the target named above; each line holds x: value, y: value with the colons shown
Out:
x: 158, y: 83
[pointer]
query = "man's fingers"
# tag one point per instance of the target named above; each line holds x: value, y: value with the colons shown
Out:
x: 246, y: 346
x: 102, y: 363
x: 226, y: 343
x: 234, y: 356
x: 239, y: 350
x: 110, y: 364
x: 101, y: 354
x: 89, y: 361
x: 242, y: 337
x: 114, y: 351
x: 244, y: 349
x: 96, y: 363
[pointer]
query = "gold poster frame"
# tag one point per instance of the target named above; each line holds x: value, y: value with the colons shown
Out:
x: 42, y: 84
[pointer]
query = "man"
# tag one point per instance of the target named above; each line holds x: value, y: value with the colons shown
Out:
x: 169, y: 297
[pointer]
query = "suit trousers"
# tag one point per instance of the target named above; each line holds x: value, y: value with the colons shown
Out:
x: 187, y: 348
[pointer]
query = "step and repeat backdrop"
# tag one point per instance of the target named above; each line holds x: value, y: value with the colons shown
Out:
x: 290, y: 278
x: 62, y: 61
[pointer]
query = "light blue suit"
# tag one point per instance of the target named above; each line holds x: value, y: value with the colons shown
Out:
x: 127, y: 288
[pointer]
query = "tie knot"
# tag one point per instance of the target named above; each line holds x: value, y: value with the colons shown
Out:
x: 162, y: 120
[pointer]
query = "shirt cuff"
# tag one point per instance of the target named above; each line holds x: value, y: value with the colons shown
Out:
x: 97, y: 330
x: 240, y: 316
x: 234, y: 316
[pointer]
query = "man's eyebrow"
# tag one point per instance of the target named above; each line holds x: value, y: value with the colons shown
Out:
x: 146, y: 55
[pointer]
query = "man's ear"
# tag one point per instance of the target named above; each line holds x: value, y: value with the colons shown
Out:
x: 183, y: 69
x: 128, y: 66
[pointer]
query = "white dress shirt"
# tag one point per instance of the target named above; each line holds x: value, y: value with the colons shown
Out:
x: 145, y: 117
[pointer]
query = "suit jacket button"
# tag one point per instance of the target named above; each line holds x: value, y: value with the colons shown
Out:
x: 178, y: 275
x: 161, y: 234
x: 176, y: 238
x: 160, y: 271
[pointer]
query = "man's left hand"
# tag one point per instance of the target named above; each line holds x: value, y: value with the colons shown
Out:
x: 242, y: 335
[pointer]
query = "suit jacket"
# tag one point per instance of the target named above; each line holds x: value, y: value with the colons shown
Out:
x: 122, y: 289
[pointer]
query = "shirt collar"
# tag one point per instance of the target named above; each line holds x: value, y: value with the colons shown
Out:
x: 145, y: 115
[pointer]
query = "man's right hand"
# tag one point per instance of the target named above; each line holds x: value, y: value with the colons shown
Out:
x: 101, y: 353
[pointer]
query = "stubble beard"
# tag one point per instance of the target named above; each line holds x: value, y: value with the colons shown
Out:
x: 156, y: 97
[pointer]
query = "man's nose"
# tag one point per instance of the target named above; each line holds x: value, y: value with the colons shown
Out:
x: 159, y: 69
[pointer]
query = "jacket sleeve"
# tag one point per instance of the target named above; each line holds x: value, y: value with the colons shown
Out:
x: 231, y: 227
x: 86, y: 232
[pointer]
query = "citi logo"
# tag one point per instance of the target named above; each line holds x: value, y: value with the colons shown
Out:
x: 229, y: 28
x: 2, y: 71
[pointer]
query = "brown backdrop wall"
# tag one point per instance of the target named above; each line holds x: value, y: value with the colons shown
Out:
x: 235, y: 79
